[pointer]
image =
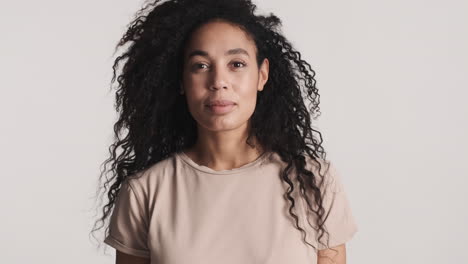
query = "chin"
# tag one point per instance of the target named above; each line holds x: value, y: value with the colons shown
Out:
x: 221, y: 125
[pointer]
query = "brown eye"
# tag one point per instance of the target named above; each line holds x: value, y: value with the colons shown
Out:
x: 198, y: 66
x: 239, y: 63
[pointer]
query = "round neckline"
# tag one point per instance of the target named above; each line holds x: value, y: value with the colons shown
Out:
x: 244, y: 168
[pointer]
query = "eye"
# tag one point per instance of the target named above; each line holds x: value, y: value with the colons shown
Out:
x: 239, y: 63
x: 197, y: 65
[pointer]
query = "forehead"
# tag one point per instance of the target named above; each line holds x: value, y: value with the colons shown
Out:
x: 217, y: 37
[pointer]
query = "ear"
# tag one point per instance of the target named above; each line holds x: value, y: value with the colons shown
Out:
x: 263, y: 74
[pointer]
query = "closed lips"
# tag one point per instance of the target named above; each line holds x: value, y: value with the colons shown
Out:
x: 220, y: 103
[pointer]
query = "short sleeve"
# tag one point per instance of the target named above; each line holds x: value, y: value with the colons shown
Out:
x: 128, y: 226
x: 339, y: 219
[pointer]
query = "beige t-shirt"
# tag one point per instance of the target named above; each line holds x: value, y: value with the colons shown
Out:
x: 177, y: 211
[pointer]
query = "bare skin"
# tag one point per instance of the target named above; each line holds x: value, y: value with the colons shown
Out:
x: 220, y: 63
x: 328, y: 256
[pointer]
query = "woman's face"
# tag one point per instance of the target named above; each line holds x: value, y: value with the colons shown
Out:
x: 220, y: 64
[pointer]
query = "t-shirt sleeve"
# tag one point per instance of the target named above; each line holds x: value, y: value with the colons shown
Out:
x: 128, y: 226
x: 339, y: 219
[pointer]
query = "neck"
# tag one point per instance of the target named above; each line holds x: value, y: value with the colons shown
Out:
x: 224, y: 150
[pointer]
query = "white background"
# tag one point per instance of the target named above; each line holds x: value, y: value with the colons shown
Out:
x: 393, y: 79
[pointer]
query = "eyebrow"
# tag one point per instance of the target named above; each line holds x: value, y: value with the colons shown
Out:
x: 229, y: 52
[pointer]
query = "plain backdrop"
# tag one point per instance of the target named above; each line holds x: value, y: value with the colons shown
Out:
x: 393, y: 79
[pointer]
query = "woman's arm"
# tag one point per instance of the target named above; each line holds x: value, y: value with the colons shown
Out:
x: 325, y: 256
x: 122, y: 258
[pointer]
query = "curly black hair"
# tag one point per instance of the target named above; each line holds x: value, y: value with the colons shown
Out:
x: 154, y: 121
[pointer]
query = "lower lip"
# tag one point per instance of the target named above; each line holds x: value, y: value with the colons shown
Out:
x: 221, y: 109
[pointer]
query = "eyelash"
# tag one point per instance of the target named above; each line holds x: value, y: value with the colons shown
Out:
x: 235, y: 62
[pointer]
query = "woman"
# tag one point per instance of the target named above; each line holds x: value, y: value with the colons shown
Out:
x: 220, y: 163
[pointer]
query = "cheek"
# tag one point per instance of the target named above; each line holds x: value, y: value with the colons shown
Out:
x: 191, y: 83
x: 194, y: 89
x: 195, y: 103
x: 248, y: 90
x: 248, y: 101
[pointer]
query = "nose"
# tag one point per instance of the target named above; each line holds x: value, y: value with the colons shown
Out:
x: 219, y: 79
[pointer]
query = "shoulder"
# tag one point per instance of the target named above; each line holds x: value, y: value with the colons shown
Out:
x: 326, y: 174
x: 318, y: 166
x: 148, y: 180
